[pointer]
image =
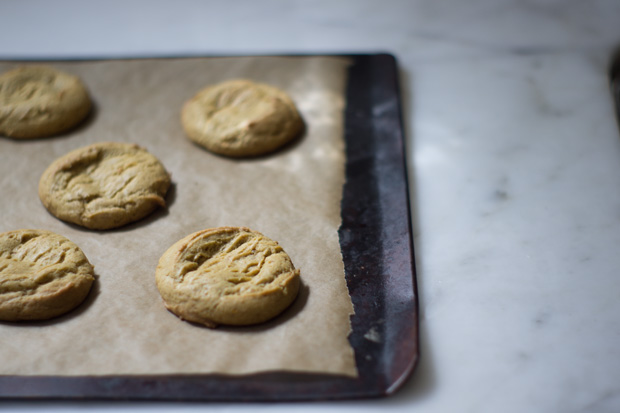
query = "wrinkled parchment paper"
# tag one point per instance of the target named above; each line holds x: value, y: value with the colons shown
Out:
x: 292, y: 196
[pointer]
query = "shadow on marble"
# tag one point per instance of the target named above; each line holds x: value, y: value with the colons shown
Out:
x: 422, y: 381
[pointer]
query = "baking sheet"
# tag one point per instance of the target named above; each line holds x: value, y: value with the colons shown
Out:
x: 375, y: 239
x: 292, y: 196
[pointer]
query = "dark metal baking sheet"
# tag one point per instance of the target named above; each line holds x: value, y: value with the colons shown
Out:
x: 377, y: 248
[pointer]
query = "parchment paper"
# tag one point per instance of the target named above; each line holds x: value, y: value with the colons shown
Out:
x: 292, y: 196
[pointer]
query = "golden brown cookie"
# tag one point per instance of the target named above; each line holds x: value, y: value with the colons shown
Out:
x: 226, y: 275
x: 42, y: 275
x: 241, y: 118
x: 40, y: 101
x: 105, y: 185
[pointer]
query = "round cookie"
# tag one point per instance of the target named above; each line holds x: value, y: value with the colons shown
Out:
x: 42, y: 275
x: 105, y: 185
x: 39, y: 101
x: 241, y: 118
x: 227, y: 275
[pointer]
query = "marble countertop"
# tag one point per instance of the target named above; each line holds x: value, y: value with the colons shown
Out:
x: 514, y: 167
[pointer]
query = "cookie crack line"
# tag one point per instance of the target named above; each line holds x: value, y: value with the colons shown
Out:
x: 122, y: 188
x: 89, y: 173
x: 237, y: 248
x: 30, y: 285
x: 47, y: 273
x: 5, y: 113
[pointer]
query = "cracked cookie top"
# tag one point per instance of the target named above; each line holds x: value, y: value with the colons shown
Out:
x: 241, y: 118
x: 42, y: 275
x: 105, y: 185
x: 40, y: 101
x: 227, y: 275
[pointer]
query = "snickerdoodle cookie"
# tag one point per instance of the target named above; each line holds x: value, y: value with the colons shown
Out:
x: 105, y: 185
x: 227, y: 275
x: 40, y: 101
x: 42, y: 275
x: 241, y: 118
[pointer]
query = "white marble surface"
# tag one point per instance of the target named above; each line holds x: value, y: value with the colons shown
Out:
x: 514, y: 160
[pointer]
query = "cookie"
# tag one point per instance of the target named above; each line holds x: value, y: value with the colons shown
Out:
x: 105, y: 185
x: 39, y: 101
x: 42, y: 275
x: 240, y: 118
x: 227, y: 275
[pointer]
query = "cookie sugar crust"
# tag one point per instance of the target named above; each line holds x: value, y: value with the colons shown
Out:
x: 40, y: 101
x: 105, y: 185
x: 241, y: 118
x: 42, y: 275
x: 227, y: 275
